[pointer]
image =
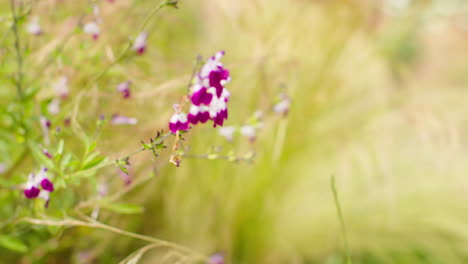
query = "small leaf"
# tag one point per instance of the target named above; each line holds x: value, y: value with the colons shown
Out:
x: 13, y: 244
x: 93, y: 161
x: 60, y: 147
x: 124, y: 208
x: 91, y: 147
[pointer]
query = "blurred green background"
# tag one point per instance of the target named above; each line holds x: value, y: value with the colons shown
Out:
x: 379, y: 92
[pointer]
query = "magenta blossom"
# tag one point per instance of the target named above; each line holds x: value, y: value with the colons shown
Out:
x: 178, y: 120
x: 46, y: 153
x: 124, y: 89
x: 92, y: 28
x: 139, y: 46
x: 38, y: 186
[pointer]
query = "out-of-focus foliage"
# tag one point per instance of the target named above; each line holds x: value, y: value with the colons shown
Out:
x: 378, y: 94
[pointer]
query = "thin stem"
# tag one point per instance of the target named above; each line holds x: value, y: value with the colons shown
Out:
x: 94, y: 224
x: 340, y: 217
x: 195, y: 67
x: 19, y: 56
x: 125, y: 51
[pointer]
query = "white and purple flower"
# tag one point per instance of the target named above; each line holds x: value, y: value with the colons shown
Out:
x: 139, y: 46
x: 34, y: 28
x: 283, y: 104
x: 92, y: 28
x: 179, y: 120
x: 124, y: 89
x: 61, y: 87
x: 123, y: 120
x: 38, y: 186
x: 208, y: 97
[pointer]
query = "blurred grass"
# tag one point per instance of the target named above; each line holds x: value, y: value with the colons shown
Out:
x: 378, y: 101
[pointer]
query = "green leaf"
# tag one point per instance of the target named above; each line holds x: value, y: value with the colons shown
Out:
x: 124, y: 208
x: 91, y: 147
x: 60, y: 147
x: 13, y: 244
x: 92, y: 161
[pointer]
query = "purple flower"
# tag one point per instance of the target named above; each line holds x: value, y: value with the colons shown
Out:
x: 47, y: 185
x: 61, y: 87
x: 139, y: 46
x: 45, y: 125
x: 92, y: 28
x: 123, y: 120
x: 124, y: 89
x: 208, y: 96
x: 198, y: 114
x: 179, y: 120
x: 217, y: 258
x: 283, y: 105
x: 32, y: 187
x: 209, y: 91
x: 46, y: 153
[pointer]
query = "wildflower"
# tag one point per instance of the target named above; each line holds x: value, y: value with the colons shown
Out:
x: 38, y: 186
x: 208, y: 96
x: 34, y: 28
x: 217, y: 258
x: 54, y: 106
x: 45, y: 125
x: 283, y: 105
x: 92, y: 28
x: 123, y: 120
x: 227, y: 132
x: 198, y: 114
x: 124, y: 89
x: 139, y: 46
x: 46, y: 153
x: 61, y: 87
x: 248, y: 131
x: 178, y: 120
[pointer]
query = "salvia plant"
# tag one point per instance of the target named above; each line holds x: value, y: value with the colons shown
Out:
x: 68, y: 186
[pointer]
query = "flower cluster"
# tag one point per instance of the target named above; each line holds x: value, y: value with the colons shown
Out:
x: 208, y: 97
x: 37, y: 182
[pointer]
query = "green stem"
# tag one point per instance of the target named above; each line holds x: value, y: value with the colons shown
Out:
x: 19, y: 57
x: 94, y: 224
x: 340, y: 217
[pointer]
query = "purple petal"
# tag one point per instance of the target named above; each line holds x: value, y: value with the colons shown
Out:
x: 203, y: 117
x: 47, y: 185
x: 193, y: 118
x: 173, y: 127
x: 197, y: 96
x: 207, y: 97
x: 183, y: 126
x: 31, y: 193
